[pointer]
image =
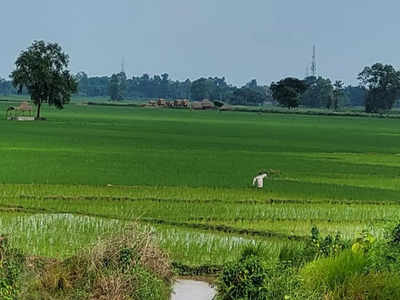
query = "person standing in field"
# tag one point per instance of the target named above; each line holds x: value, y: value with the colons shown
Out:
x: 259, y: 179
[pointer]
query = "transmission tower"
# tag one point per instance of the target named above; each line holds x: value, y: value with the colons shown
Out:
x: 314, y: 63
x: 123, y: 65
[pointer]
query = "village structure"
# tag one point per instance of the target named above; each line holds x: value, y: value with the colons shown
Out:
x: 204, y: 104
x: 23, y: 112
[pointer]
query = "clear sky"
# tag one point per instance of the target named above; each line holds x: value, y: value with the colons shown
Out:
x: 241, y: 40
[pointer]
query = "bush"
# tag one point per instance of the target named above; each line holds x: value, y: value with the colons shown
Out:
x: 245, y: 278
x: 325, y: 274
x: 128, y: 266
x: 380, y: 285
x: 11, y: 267
x: 315, y: 247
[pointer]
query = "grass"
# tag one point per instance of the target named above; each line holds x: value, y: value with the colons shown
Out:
x: 196, y: 226
x: 89, y: 170
x: 134, y: 146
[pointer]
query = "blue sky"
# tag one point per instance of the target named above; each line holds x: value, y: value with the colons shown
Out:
x: 241, y: 40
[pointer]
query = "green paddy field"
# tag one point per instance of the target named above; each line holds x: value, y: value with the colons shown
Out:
x: 88, y: 171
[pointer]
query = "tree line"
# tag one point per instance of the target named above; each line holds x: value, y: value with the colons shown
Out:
x: 378, y: 91
x: 319, y: 94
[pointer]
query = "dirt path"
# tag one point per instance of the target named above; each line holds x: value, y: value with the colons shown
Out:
x: 192, y: 290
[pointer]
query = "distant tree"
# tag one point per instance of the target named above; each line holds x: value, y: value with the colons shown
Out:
x: 114, y: 88
x: 165, y: 86
x: 122, y: 85
x: 185, y: 89
x: 383, y: 87
x: 211, y: 88
x: 200, y: 89
x: 247, y: 96
x: 42, y: 69
x: 319, y: 92
x: 117, y: 86
x: 83, y: 83
x: 356, y: 95
x: 4, y: 87
x: 337, y: 93
x: 252, y: 84
x: 288, y: 91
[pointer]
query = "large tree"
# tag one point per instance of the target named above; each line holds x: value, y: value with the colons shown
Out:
x: 383, y: 87
x: 288, y: 91
x: 319, y: 92
x: 42, y: 69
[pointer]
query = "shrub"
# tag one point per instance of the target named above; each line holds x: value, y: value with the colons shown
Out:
x: 245, y: 278
x: 380, y: 285
x: 11, y: 268
x: 283, y: 282
x: 323, y: 247
x: 127, y: 266
x: 325, y: 274
x: 315, y: 247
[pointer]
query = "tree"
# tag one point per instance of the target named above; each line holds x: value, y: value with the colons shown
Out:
x: 122, y: 85
x: 42, y: 69
x: 288, y: 91
x: 117, y: 86
x: 83, y: 83
x: 164, y: 86
x: 337, y: 93
x: 114, y: 88
x: 319, y: 92
x: 247, y: 96
x: 383, y: 87
x: 200, y: 89
x: 356, y: 95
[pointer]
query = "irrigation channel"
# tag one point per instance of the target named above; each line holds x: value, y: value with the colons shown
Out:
x: 192, y: 290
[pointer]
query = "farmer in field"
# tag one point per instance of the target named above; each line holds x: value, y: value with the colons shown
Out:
x: 259, y: 179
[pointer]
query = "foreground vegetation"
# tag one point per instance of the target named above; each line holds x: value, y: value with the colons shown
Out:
x: 324, y: 268
x: 126, y: 266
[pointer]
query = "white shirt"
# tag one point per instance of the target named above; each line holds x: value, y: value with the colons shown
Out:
x: 260, y: 180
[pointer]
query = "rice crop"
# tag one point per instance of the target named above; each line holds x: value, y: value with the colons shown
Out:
x: 89, y: 171
x: 55, y: 235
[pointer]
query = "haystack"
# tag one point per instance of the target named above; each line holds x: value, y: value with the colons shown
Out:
x: 186, y: 103
x: 178, y: 103
x: 161, y: 102
x: 197, y: 105
x: 207, y: 104
x: 226, y: 107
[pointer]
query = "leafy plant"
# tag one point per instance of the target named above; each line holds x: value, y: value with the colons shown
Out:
x: 245, y: 278
x: 363, y: 243
x: 11, y: 267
